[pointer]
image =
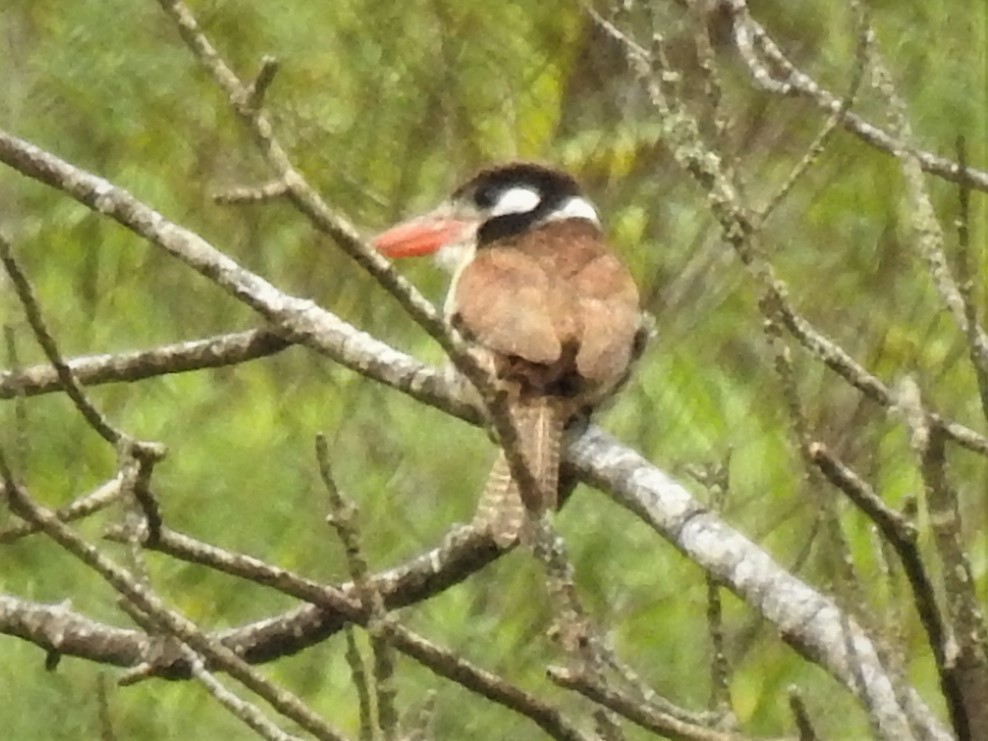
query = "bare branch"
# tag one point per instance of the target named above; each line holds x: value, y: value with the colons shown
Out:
x: 33, y: 311
x: 447, y: 664
x: 343, y: 518
x: 811, y: 623
x: 796, y: 82
x: 965, y: 282
x: 417, y: 580
x: 358, y: 674
x: 822, y: 139
x: 103, y: 496
x: 252, y: 195
x: 319, y: 213
x: 929, y: 234
x: 639, y: 713
x: 799, y: 712
x: 259, y: 87
x: 93, y: 370
x: 637, y: 485
x: 298, y: 320
x: 282, y: 700
x: 688, y: 149
x: 808, y: 621
x: 964, y: 652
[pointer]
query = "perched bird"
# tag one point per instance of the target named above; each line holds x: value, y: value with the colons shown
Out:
x: 552, y: 310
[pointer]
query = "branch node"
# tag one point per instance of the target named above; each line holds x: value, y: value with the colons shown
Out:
x: 259, y: 87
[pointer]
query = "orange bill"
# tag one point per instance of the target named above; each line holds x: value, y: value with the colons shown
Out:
x: 416, y: 237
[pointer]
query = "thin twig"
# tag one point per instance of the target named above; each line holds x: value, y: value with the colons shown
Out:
x: 22, y: 441
x: 638, y: 713
x: 417, y: 725
x: 106, y: 732
x: 343, y: 518
x: 327, y: 221
x: 965, y: 639
x: 100, y: 498
x: 893, y: 620
x: 572, y: 627
x: 835, y: 119
x: 358, y: 674
x: 900, y: 532
x: 259, y: 87
x: 965, y: 283
x: 720, y: 669
x: 246, y: 711
x: 929, y: 239
x: 33, y: 312
x: 794, y: 81
x: 688, y: 149
x: 713, y: 86
x: 648, y: 695
x: 801, y: 715
x: 179, y: 626
x: 246, y: 195
x: 92, y: 370
x: 447, y: 664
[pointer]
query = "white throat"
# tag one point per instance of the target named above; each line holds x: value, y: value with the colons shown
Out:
x: 453, y: 256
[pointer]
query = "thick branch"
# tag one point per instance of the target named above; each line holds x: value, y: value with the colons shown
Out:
x: 809, y: 621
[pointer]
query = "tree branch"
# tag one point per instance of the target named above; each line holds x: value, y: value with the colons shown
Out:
x: 748, y: 33
x: 93, y: 370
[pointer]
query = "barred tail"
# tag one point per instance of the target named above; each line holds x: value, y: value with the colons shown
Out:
x: 539, y: 421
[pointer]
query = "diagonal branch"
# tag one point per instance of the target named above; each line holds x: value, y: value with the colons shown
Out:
x: 685, y: 143
x: 25, y: 292
x: 807, y: 620
x: 748, y: 33
x: 137, y: 365
x: 177, y: 625
x: 929, y: 238
x: 244, y: 100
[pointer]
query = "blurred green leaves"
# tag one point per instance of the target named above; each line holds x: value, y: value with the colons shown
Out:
x: 384, y: 106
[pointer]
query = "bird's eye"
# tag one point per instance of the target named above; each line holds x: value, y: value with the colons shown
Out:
x: 484, y: 197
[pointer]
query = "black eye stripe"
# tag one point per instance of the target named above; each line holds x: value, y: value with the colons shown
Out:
x: 511, y: 225
x: 553, y: 187
x: 486, y: 196
x: 485, y: 187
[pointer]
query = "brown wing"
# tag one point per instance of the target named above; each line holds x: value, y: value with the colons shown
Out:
x: 600, y: 296
x: 503, y: 301
x: 607, y: 301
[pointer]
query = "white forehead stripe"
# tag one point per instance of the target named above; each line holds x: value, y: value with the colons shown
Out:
x: 575, y: 208
x: 516, y: 200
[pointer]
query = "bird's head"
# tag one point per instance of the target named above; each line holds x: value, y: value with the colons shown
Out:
x: 497, y: 203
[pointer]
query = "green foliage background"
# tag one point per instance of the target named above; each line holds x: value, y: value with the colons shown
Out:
x: 385, y: 106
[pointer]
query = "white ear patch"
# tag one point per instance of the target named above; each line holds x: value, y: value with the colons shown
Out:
x: 517, y: 200
x: 574, y: 208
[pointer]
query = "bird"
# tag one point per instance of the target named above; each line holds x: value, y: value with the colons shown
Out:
x: 551, y: 309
